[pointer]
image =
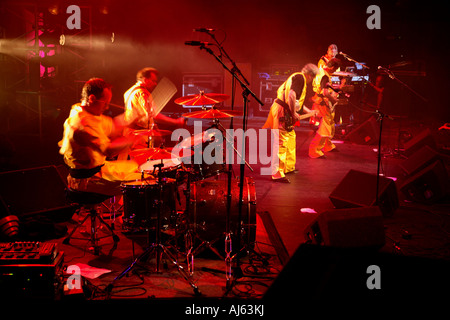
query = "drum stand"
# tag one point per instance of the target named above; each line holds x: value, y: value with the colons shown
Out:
x: 158, y: 247
x: 191, y: 234
x: 113, y: 209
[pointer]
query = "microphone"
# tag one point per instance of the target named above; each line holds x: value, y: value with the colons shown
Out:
x: 198, y: 43
x: 343, y: 54
x: 204, y: 30
x: 387, y: 71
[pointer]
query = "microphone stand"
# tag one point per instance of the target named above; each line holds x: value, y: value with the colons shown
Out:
x: 381, y: 117
x: 353, y: 60
x: 228, y: 260
x: 393, y: 77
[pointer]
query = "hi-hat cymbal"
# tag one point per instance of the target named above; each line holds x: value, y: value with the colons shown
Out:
x: 201, y: 99
x: 152, y: 132
x: 212, y: 114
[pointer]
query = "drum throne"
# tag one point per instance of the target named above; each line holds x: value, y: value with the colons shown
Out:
x: 91, y: 203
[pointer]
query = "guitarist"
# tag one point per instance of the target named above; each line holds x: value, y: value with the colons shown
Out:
x: 283, y: 115
x: 324, y: 101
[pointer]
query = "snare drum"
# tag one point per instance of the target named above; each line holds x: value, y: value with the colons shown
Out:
x: 140, y: 204
x: 171, y: 168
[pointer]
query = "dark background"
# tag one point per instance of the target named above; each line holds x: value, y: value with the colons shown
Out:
x: 255, y: 34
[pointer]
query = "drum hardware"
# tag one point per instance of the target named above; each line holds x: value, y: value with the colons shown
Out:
x: 157, y: 247
x: 113, y: 208
x: 216, y: 124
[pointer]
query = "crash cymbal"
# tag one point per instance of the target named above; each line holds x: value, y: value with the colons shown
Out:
x: 212, y: 114
x: 152, y: 132
x: 344, y: 74
x: 201, y: 99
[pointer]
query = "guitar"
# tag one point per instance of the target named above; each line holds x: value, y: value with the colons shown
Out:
x: 288, y: 120
x: 289, y: 123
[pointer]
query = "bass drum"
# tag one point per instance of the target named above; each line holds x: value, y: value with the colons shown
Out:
x: 208, y: 210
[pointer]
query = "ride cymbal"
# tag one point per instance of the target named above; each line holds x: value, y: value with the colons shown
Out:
x: 212, y: 114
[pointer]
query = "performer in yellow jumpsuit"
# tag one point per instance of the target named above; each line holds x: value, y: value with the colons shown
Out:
x: 325, y: 99
x: 282, y: 116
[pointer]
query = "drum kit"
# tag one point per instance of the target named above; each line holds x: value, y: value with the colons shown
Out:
x: 149, y: 205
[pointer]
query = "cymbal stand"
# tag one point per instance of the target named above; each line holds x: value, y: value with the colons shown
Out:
x: 228, y: 246
x: 157, y: 246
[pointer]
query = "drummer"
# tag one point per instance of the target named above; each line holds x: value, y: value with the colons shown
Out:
x: 140, y: 109
x: 90, y: 137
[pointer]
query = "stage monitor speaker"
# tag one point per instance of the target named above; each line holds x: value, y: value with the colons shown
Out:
x: 358, y: 189
x: 424, y: 138
x: 424, y: 157
x: 348, y: 228
x: 366, y: 133
x: 35, y: 191
x: 348, y: 276
x: 428, y: 185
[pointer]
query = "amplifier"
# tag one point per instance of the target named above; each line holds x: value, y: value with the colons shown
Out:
x: 27, y: 252
x: 268, y: 91
x: 194, y: 83
x: 31, y: 270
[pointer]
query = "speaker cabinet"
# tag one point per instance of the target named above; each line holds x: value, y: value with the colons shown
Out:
x: 429, y: 185
x: 424, y: 157
x: 358, y: 189
x: 348, y: 228
x: 343, y: 275
x: 366, y: 133
x: 35, y: 191
x: 424, y: 138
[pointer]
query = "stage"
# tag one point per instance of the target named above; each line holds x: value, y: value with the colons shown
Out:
x: 369, y: 223
x: 282, y: 214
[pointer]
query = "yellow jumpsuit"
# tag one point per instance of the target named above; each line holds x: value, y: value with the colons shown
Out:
x: 322, y: 140
x: 284, y: 160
